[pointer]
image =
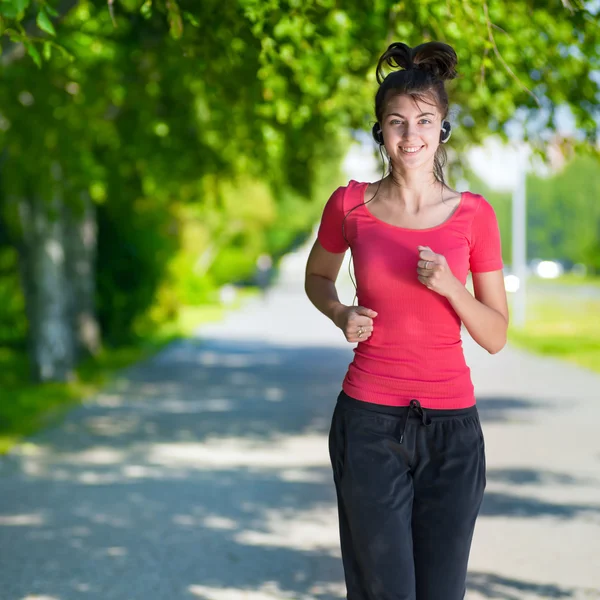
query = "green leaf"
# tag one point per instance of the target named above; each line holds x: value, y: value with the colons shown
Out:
x: 47, y: 50
x: 51, y: 11
x: 146, y: 9
x: 9, y: 11
x: 175, y: 22
x: 64, y: 52
x: 33, y: 52
x: 190, y: 18
x: 44, y: 23
x: 20, y: 5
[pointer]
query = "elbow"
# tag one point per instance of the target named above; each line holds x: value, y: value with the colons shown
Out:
x: 307, y: 283
x: 497, y: 347
x: 501, y: 340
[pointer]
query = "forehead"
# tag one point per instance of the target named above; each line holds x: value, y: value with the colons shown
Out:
x: 408, y: 106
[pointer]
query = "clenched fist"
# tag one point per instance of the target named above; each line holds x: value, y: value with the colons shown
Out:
x: 355, y: 321
x: 434, y: 272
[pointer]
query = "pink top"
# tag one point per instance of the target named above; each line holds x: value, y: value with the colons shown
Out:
x: 415, y: 350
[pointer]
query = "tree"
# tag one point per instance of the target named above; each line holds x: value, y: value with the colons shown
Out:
x: 164, y: 103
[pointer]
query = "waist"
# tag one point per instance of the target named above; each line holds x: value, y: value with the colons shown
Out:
x: 346, y: 401
x: 432, y: 359
x: 436, y: 384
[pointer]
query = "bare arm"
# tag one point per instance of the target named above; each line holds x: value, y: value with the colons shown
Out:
x: 322, y: 269
x: 486, y: 315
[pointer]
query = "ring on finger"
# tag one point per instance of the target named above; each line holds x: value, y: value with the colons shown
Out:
x: 360, y: 331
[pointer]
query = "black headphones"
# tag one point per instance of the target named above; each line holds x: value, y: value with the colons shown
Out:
x: 444, y: 135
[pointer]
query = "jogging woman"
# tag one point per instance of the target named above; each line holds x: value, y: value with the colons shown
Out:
x: 406, y: 444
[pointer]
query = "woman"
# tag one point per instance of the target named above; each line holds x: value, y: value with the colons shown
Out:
x: 406, y: 445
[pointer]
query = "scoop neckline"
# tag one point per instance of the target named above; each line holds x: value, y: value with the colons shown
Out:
x: 442, y: 224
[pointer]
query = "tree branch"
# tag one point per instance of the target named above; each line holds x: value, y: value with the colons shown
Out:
x: 499, y: 56
x: 13, y: 51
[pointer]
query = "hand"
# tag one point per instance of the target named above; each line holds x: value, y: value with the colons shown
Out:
x: 354, y: 319
x: 435, y: 273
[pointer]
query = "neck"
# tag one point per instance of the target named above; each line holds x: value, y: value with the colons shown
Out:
x: 413, y: 191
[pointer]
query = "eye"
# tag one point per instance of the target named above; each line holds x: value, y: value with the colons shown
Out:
x: 425, y: 120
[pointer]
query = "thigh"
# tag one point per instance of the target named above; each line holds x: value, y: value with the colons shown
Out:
x: 375, y: 495
x: 449, y: 483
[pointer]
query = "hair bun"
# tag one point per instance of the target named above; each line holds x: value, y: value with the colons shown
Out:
x: 436, y: 58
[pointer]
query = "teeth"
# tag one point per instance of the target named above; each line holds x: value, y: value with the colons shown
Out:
x: 411, y: 150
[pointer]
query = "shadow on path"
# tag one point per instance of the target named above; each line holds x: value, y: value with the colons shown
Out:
x: 201, y: 471
x: 493, y: 586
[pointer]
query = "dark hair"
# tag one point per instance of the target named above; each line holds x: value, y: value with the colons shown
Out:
x: 425, y: 68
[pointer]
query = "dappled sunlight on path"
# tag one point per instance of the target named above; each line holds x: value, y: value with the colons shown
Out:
x: 204, y: 473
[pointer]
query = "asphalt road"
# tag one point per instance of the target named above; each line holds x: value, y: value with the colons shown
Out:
x: 203, y: 473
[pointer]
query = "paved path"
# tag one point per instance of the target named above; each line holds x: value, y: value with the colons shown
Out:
x: 203, y: 473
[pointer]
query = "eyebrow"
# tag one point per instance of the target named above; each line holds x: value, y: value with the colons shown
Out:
x: 403, y: 117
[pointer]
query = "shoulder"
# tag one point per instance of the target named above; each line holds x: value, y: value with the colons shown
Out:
x: 478, y: 207
x: 345, y: 194
x: 478, y: 201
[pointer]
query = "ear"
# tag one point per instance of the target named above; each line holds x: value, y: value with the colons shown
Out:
x: 377, y: 134
x: 446, y: 132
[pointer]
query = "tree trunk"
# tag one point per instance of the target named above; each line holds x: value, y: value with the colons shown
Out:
x: 47, y: 293
x: 80, y: 245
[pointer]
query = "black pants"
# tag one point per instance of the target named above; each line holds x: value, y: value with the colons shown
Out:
x: 409, y: 484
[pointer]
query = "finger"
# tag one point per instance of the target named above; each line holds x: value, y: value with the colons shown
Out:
x: 426, y: 272
x: 358, y: 320
x: 356, y: 329
x: 367, y: 312
x: 427, y: 255
x: 365, y: 328
x: 362, y: 338
x: 362, y: 322
x: 426, y: 264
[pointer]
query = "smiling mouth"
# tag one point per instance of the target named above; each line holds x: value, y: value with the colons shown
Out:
x: 411, y: 149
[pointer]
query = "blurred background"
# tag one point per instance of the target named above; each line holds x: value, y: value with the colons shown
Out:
x: 165, y: 162
x: 160, y: 158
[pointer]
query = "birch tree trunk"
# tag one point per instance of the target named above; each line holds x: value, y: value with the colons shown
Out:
x: 80, y: 246
x: 45, y: 284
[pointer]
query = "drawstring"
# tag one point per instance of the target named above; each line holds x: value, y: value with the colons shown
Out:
x: 416, y: 407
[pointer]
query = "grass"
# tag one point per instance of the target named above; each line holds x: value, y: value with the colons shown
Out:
x: 569, y: 279
x: 27, y: 407
x: 561, y: 326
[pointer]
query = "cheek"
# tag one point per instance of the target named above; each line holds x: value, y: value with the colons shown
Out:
x: 391, y: 136
x: 433, y: 137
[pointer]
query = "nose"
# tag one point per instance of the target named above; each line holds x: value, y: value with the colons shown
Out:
x: 408, y: 131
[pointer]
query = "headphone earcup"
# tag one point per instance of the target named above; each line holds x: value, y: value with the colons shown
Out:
x: 446, y: 132
x: 377, y: 134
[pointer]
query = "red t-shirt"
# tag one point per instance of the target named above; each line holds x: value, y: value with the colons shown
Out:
x: 415, y: 350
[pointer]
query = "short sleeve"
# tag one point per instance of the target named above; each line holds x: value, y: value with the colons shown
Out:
x: 486, y: 247
x: 330, y: 230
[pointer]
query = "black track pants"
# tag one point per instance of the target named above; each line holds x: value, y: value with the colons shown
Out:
x: 409, y: 483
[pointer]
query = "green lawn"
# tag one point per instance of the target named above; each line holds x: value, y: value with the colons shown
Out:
x: 26, y: 407
x: 561, y: 325
x: 569, y: 280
